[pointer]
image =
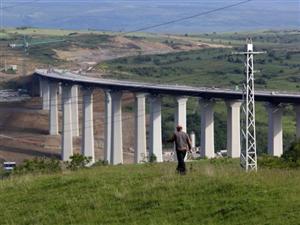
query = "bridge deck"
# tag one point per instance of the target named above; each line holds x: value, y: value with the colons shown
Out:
x: 227, y: 94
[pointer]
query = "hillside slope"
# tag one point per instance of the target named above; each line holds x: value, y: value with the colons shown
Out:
x: 211, y: 193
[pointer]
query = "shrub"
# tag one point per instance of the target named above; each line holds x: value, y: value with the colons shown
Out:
x: 38, y: 165
x: 78, y: 161
x: 292, y: 156
x: 271, y: 162
x: 289, y: 159
x: 152, y: 158
x: 4, y: 174
x: 101, y: 163
x: 260, y: 81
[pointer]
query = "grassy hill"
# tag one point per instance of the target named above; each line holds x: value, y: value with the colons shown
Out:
x: 213, y: 192
x: 279, y: 69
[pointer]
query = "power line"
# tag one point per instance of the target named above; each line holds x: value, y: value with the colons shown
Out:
x: 188, y: 17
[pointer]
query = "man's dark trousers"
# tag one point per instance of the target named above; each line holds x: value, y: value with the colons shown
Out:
x: 180, y: 158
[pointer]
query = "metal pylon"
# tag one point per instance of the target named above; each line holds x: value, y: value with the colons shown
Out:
x: 248, y: 157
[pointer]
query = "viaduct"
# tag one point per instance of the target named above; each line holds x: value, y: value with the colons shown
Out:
x: 51, y: 80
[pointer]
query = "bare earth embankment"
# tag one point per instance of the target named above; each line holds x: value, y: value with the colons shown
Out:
x: 24, y: 126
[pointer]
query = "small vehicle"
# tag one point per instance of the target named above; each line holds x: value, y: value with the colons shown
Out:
x: 9, y: 166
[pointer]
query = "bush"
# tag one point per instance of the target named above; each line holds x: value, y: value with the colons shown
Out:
x: 271, y: 162
x: 78, y: 161
x: 101, y: 163
x: 152, y: 158
x: 260, y: 81
x: 289, y: 159
x: 38, y: 165
x: 292, y: 156
x: 4, y: 174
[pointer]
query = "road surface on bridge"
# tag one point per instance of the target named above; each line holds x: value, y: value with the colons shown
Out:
x: 178, y: 90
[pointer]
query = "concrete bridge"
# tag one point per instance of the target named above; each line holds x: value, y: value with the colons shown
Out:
x: 51, y: 80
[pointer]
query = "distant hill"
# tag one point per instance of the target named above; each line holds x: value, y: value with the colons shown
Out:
x: 123, y: 15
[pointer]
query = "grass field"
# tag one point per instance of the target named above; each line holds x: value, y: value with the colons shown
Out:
x: 212, y: 192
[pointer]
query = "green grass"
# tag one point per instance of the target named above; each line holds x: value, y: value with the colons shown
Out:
x: 211, y: 193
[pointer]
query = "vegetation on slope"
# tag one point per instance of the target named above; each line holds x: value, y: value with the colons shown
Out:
x: 279, y: 69
x: 212, y: 192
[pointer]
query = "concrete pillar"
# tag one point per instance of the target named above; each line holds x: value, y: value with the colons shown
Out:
x: 155, y: 128
x: 53, y: 118
x: 75, y: 116
x: 275, y: 146
x: 59, y: 89
x: 207, y: 129
x: 233, y: 128
x: 193, y: 140
x: 297, y: 109
x: 41, y: 86
x: 46, y: 94
x: 67, y: 140
x: 88, y: 148
x: 180, y: 117
x: 140, y: 127
x: 107, y: 127
x: 116, y: 128
x: 180, y: 113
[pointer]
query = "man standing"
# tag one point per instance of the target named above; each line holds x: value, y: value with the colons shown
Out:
x: 182, y: 145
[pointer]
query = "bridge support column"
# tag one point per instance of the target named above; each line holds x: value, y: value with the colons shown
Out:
x: 297, y: 109
x: 116, y: 128
x: 59, y: 89
x: 88, y: 148
x: 53, y: 118
x: 75, y: 117
x: 155, y: 128
x: 41, y: 86
x: 207, y: 148
x: 180, y: 114
x: 140, y: 127
x: 107, y: 127
x: 233, y: 128
x: 46, y: 94
x: 193, y: 140
x: 67, y: 140
x: 275, y: 146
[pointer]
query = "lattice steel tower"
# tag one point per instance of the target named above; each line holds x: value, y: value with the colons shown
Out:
x: 248, y: 152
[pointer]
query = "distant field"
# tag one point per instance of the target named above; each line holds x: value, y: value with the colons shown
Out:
x: 211, y: 193
x: 47, y: 32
